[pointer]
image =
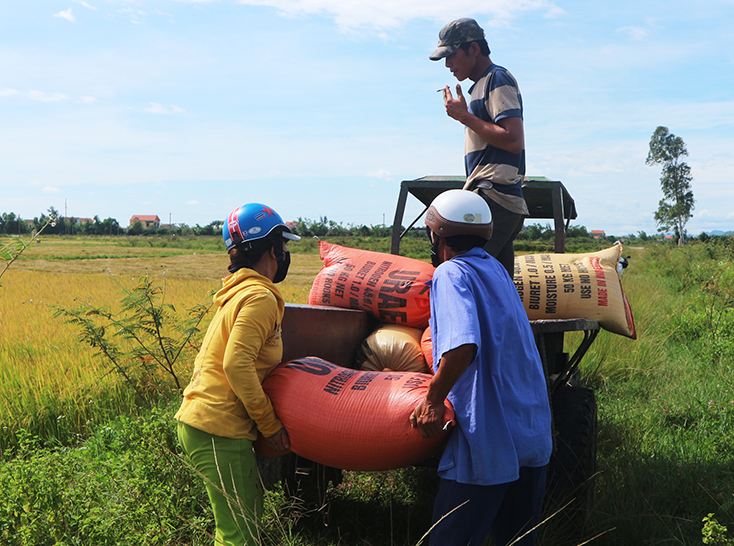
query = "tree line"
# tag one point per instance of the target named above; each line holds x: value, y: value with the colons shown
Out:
x: 12, y: 224
x: 55, y: 224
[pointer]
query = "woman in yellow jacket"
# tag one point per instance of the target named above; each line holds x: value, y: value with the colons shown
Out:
x: 224, y: 406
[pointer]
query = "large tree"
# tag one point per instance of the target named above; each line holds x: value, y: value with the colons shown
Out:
x: 674, y: 209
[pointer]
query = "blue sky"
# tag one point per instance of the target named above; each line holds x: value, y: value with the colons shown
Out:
x: 187, y: 109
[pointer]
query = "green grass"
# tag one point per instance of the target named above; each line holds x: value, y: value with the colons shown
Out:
x: 129, y: 485
x: 666, y: 403
x: 126, y: 486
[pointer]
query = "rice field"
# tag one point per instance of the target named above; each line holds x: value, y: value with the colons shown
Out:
x: 55, y: 386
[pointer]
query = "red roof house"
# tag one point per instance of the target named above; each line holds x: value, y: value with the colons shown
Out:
x: 146, y: 220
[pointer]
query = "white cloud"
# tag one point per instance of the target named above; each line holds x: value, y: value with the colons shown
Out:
x: 136, y: 16
x: 378, y: 14
x: 86, y: 100
x: 7, y: 92
x: 554, y: 12
x: 157, y: 108
x: 51, y: 189
x: 634, y: 33
x: 68, y: 15
x: 45, y: 97
x: 83, y: 3
x: 381, y: 173
x: 192, y: 202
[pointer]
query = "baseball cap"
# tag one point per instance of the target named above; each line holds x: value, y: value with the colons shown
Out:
x: 454, y: 34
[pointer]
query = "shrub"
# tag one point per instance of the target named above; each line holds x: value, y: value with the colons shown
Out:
x: 124, y: 486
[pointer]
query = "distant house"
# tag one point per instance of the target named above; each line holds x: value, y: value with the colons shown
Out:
x: 598, y: 233
x: 146, y: 220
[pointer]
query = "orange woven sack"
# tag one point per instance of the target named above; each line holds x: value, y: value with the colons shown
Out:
x: 350, y: 419
x: 392, y: 348
x: 564, y: 286
x: 427, y: 347
x: 391, y: 287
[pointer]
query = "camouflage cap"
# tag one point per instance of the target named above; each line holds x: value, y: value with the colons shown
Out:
x: 454, y: 34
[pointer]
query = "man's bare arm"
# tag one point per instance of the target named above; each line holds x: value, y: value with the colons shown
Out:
x: 508, y: 134
x: 428, y: 415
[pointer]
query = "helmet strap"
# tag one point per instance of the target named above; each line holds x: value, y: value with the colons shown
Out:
x: 435, y: 259
x: 282, y: 256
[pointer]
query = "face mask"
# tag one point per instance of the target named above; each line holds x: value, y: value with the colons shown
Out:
x: 284, y: 262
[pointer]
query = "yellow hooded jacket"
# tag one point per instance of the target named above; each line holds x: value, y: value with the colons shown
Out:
x: 241, y: 347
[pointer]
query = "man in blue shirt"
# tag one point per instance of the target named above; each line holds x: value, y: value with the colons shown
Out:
x: 487, y: 365
x: 494, y: 139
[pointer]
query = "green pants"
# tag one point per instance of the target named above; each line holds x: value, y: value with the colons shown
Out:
x: 229, y: 468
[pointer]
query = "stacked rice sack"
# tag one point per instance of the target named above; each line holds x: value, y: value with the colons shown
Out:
x: 355, y: 418
x: 565, y: 286
x: 392, y: 288
x: 350, y: 419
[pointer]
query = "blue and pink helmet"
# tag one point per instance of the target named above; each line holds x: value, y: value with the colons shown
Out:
x: 252, y: 222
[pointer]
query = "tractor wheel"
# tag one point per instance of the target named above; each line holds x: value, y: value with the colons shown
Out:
x: 300, y: 477
x: 573, y: 465
x: 274, y: 470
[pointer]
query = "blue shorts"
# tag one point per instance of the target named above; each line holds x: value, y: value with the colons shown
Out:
x: 507, y: 511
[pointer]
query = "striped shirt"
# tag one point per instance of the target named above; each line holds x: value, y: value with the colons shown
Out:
x: 494, y: 97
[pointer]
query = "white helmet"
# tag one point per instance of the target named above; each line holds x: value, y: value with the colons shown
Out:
x: 459, y: 212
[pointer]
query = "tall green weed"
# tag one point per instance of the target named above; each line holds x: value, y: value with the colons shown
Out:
x: 144, y: 341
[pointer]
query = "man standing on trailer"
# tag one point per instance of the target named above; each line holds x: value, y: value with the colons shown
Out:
x: 494, y: 139
x: 486, y: 363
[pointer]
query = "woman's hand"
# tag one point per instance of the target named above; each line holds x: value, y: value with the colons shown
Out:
x: 279, y: 441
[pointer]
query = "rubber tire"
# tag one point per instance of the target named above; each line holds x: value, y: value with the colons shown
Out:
x: 572, y: 467
x: 300, y: 477
x: 274, y: 470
